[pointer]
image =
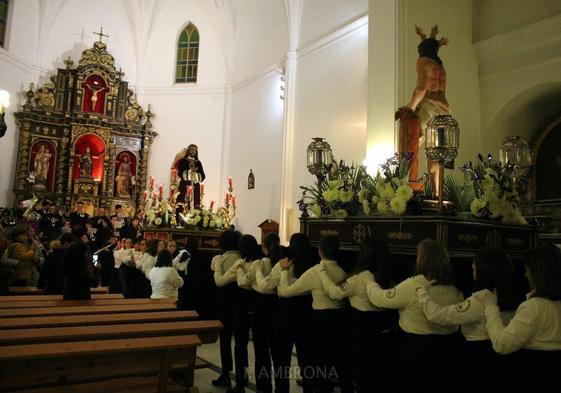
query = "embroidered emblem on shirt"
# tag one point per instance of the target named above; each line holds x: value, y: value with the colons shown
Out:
x: 390, y: 293
x: 463, y: 306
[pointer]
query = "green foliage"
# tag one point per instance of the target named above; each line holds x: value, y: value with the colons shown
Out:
x: 461, y: 195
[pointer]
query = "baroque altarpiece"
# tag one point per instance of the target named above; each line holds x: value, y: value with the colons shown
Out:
x: 83, y: 136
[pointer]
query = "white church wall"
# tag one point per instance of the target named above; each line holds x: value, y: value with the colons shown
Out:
x: 261, y: 38
x: 322, y: 17
x: 454, y: 19
x: 331, y: 102
x: 23, y: 30
x: 256, y: 143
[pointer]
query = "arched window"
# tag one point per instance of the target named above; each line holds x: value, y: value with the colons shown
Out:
x: 3, y: 21
x: 187, y: 55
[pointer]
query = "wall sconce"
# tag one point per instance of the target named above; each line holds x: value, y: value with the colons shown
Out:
x: 4, y: 103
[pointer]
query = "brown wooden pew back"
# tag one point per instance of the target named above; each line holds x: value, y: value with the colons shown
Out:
x: 76, y: 303
x: 20, y: 298
x: 84, y: 310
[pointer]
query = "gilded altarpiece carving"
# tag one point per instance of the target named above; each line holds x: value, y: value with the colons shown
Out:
x: 83, y: 136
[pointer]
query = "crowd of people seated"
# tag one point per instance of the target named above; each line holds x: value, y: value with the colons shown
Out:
x: 70, y: 253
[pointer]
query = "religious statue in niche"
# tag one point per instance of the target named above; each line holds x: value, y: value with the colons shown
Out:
x: 41, y: 166
x: 86, y: 163
x: 427, y: 101
x: 94, y: 94
x: 191, y: 174
x: 250, y: 180
x: 124, y: 178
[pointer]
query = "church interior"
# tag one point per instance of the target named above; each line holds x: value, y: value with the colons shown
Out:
x: 280, y: 195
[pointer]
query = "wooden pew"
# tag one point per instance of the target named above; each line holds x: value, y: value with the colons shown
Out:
x: 81, y: 362
x: 20, y: 298
x: 75, y: 303
x: 206, y: 330
x: 84, y: 310
x: 37, y: 291
x: 96, y: 319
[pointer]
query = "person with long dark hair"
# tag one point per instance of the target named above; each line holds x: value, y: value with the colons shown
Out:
x: 264, y: 310
x: 425, y: 345
x: 374, y: 328
x: 164, y: 278
x: 492, y: 270
x: 226, y: 293
x: 294, y: 315
x: 250, y: 252
x: 535, y: 329
x: 76, y: 274
x: 330, y: 358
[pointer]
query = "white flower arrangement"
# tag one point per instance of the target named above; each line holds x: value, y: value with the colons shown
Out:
x: 392, y: 188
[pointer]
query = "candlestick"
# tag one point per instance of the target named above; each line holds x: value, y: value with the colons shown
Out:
x: 202, y: 189
x: 227, y: 198
x: 233, y: 200
x: 161, y: 188
x: 211, y: 205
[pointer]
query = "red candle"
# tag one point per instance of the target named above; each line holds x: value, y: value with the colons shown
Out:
x: 230, y: 182
x: 211, y: 205
x: 202, y: 189
x: 174, y: 174
x: 154, y: 195
x: 190, y: 191
x: 151, y: 182
x: 233, y: 200
x: 227, y: 198
x: 144, y: 196
x: 161, y: 190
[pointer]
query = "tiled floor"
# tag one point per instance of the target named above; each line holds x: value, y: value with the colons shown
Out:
x: 211, y: 354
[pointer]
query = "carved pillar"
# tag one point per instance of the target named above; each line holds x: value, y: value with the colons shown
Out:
x: 64, y: 153
x: 143, y: 169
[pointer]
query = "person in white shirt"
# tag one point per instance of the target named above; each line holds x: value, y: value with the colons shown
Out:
x: 124, y: 258
x: 249, y: 252
x: 148, y: 260
x: 164, y: 278
x: 331, y: 351
x: 535, y: 329
x: 139, y: 250
x: 293, y: 321
x: 374, y: 329
x: 425, y: 345
x: 226, y: 292
x: 492, y: 270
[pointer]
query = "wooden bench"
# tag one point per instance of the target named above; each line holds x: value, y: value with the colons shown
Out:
x: 84, y: 310
x: 75, y: 303
x: 117, y: 385
x: 82, y: 362
x: 96, y: 319
x: 20, y: 298
x: 206, y: 330
x: 37, y: 291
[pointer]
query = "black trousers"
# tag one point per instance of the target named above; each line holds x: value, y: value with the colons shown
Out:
x: 225, y: 311
x: 293, y: 327
x: 264, y: 313
x: 332, y: 350
x: 537, y: 371
x: 375, y: 340
x: 242, y: 324
x: 430, y: 363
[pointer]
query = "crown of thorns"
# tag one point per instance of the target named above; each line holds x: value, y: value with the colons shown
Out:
x: 433, y: 33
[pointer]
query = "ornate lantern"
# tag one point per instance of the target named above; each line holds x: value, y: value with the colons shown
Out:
x: 516, y: 151
x: 442, y: 140
x: 319, y: 158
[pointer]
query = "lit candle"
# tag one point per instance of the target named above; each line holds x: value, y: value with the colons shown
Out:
x: 211, y: 205
x: 230, y: 182
x: 151, y: 182
x: 233, y: 200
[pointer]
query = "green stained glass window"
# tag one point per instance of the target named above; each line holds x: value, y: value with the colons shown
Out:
x: 187, y: 55
x: 4, y: 21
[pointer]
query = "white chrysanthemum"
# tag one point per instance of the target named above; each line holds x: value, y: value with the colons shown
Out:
x: 375, y: 199
x: 316, y: 210
x: 212, y: 223
x: 366, y: 207
x: 346, y: 196
x: 476, y: 206
x: 382, y: 207
x: 386, y: 191
x: 362, y: 195
x: 341, y: 213
x: 404, y: 192
x: 158, y: 221
x: 398, y: 205
x: 335, y: 184
x: 330, y: 195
